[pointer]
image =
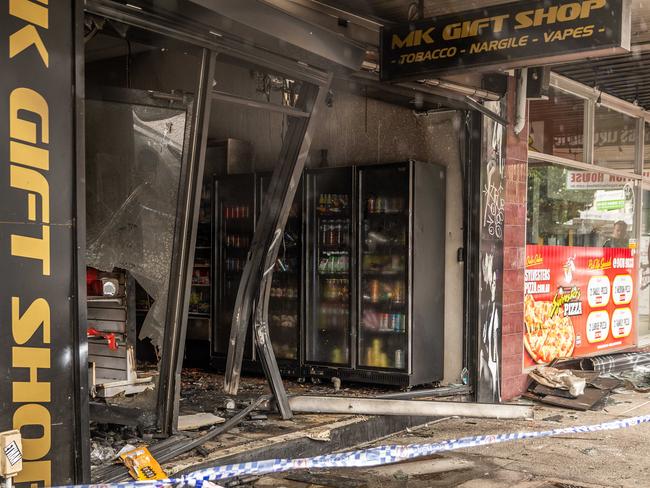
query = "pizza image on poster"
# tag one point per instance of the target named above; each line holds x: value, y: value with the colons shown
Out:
x: 579, y: 301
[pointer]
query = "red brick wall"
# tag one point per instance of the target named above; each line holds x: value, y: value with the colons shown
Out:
x: 513, y: 381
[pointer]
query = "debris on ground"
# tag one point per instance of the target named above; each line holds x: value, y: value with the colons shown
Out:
x: 559, y: 379
x: 613, y: 363
x: 108, y: 440
x: 198, y: 420
x: 637, y: 379
x: 202, y: 396
x: 573, y: 389
x: 142, y: 465
x: 100, y: 454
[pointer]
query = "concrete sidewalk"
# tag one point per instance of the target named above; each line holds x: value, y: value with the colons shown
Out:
x: 619, y: 458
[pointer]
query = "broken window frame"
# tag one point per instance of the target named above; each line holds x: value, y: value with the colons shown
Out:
x: 179, y: 267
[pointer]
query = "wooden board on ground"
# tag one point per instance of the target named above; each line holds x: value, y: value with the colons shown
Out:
x: 198, y: 420
x: 107, y: 388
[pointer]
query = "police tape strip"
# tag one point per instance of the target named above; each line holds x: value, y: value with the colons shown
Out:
x: 374, y: 456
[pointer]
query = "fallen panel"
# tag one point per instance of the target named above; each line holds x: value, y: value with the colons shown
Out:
x: 375, y: 406
x: 198, y: 420
x: 583, y: 403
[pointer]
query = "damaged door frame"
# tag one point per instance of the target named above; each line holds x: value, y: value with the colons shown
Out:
x: 295, y: 151
x: 255, y: 285
x: 179, y: 290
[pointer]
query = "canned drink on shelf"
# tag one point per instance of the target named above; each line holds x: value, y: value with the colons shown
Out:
x: 399, y: 359
x: 374, y: 291
x: 384, y: 321
x: 371, y: 204
x: 401, y: 322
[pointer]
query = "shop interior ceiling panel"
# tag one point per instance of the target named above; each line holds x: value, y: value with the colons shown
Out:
x: 397, y: 10
x: 291, y: 30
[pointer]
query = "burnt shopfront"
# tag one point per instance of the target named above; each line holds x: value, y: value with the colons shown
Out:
x: 232, y: 187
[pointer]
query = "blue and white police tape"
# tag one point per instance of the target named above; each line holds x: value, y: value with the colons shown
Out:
x: 362, y: 458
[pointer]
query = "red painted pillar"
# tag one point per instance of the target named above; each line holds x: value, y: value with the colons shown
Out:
x: 513, y: 380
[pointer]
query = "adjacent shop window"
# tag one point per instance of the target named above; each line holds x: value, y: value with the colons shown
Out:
x: 614, y: 139
x: 644, y: 260
x: 557, y: 125
x: 646, y: 151
x: 580, y: 277
x: 570, y: 207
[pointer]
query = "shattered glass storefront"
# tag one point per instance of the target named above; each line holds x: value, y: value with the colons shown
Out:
x: 586, y: 289
x: 132, y: 196
x: 139, y: 176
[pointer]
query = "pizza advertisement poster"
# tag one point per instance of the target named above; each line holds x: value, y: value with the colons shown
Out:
x: 578, y: 301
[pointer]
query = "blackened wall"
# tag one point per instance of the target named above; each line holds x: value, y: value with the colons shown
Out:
x: 353, y: 130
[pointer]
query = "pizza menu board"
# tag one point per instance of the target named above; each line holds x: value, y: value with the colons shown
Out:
x: 579, y: 301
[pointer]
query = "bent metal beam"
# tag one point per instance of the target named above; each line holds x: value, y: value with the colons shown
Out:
x: 416, y: 408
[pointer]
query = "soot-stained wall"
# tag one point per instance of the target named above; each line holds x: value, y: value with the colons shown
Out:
x: 353, y: 130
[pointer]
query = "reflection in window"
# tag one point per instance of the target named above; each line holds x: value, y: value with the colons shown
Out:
x: 557, y: 125
x: 614, y: 139
x: 568, y: 207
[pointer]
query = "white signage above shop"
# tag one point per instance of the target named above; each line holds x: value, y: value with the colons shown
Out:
x: 594, y: 180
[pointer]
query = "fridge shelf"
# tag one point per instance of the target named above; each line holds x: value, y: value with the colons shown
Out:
x: 333, y: 301
x: 342, y: 274
x: 383, y: 273
x: 383, y: 331
x: 333, y: 250
x: 383, y: 215
x: 200, y: 284
x: 383, y: 303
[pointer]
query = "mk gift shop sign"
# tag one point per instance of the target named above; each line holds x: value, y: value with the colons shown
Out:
x: 510, y: 35
x: 37, y: 172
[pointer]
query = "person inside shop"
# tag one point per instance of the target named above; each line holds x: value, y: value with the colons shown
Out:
x: 619, y: 236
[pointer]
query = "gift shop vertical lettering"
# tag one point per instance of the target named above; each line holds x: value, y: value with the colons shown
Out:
x: 29, y: 169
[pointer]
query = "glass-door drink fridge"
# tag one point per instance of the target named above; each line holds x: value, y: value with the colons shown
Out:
x: 376, y: 248
x: 234, y: 224
x: 400, y: 298
x: 330, y: 265
x: 239, y: 200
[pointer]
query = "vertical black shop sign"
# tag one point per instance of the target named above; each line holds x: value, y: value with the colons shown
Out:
x: 41, y: 387
x: 491, y: 222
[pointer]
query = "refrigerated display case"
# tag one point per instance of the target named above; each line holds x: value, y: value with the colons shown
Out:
x: 401, y: 241
x: 234, y: 209
x: 239, y: 200
x: 358, y: 287
x: 285, y: 310
x: 200, y: 313
x: 330, y: 264
x: 377, y: 316
x: 383, y: 278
